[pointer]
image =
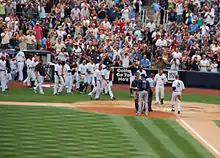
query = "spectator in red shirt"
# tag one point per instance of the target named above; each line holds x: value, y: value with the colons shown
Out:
x: 38, y: 34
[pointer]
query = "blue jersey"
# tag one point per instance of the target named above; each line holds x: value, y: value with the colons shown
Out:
x: 143, y: 85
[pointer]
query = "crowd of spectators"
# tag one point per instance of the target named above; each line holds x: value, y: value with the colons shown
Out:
x: 111, y: 32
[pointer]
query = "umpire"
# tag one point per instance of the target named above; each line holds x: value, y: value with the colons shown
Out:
x: 134, y: 87
x: 150, y: 95
x: 143, y: 88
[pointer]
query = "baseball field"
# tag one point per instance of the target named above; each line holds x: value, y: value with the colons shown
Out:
x: 72, y: 126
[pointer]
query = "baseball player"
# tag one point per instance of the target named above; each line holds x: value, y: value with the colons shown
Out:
x: 68, y: 77
x: 31, y: 75
x: 143, y: 88
x: 177, y: 87
x: 8, y: 71
x: 91, y: 67
x: 59, y: 77
x: 133, y: 69
x: 20, y: 57
x: 106, y: 83
x: 97, y: 81
x: 135, y: 89
x: 40, y: 74
x: 27, y: 80
x: 3, y: 73
x: 160, y: 79
x: 150, y: 95
x: 83, y: 72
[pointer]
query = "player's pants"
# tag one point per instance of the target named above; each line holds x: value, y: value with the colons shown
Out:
x: 143, y: 97
x: 90, y: 78
x: 136, y: 101
x: 159, y: 89
x: 131, y: 80
x: 108, y: 88
x: 96, y: 89
x: 3, y: 80
x: 56, y: 84
x: 174, y: 96
x: 68, y: 83
x: 150, y: 96
x: 40, y: 81
x: 30, y: 76
x: 20, y: 70
x: 8, y: 78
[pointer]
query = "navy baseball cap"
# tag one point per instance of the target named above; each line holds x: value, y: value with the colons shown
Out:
x: 143, y: 75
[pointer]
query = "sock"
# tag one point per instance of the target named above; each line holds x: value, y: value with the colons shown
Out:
x: 136, y: 104
x: 179, y: 105
x: 92, y: 87
x: 173, y: 108
x: 130, y: 91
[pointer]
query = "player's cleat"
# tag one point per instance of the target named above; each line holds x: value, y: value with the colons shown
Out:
x: 173, y: 110
x: 161, y: 101
x: 150, y: 110
x: 157, y: 103
x: 137, y: 113
x: 178, y: 112
x: 90, y: 97
x: 146, y: 114
x: 41, y: 92
x: 96, y: 98
x: 55, y: 94
x: 113, y: 98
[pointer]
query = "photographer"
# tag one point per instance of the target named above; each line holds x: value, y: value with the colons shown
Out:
x: 195, y: 64
x: 175, y: 64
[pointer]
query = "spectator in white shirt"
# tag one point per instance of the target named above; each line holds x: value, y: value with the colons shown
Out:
x: 175, y: 63
x: 204, y: 64
x: 75, y: 13
x: 151, y: 25
x: 161, y: 42
x: 196, y: 55
x: 125, y: 60
x: 209, y: 16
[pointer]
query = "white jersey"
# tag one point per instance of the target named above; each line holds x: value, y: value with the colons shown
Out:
x: 67, y: 70
x: 179, y: 85
x: 91, y: 68
x: 142, y: 72
x: 20, y: 56
x: 106, y: 73
x: 160, y: 80
x: 98, y: 75
x: 82, y: 68
x: 63, y: 56
x: 2, y: 65
x: 33, y: 64
x: 60, y: 69
x: 203, y: 65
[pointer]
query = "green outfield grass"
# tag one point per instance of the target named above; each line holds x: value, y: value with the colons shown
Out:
x: 27, y: 95
x: 53, y: 132
x: 217, y: 122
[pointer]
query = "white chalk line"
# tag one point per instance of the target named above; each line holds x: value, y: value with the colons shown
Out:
x: 199, y: 136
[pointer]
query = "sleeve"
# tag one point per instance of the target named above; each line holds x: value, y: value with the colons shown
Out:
x: 183, y: 86
x: 55, y: 68
x: 80, y: 68
x: 174, y: 84
x: 165, y: 78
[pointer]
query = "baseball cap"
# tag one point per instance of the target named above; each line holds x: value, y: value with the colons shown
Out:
x: 143, y: 75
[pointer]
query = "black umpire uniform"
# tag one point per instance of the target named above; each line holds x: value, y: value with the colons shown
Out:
x: 135, y: 88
